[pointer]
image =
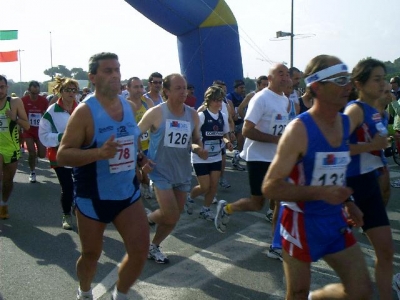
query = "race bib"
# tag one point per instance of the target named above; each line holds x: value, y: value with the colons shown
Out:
x: 3, y: 123
x: 330, y: 168
x: 124, y: 159
x: 177, y: 133
x: 278, y: 123
x: 213, y: 147
x: 34, y: 119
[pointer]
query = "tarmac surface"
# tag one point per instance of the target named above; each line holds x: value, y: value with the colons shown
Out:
x: 38, y: 257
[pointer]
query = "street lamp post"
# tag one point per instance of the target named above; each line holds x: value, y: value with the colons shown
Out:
x: 51, y: 58
x: 20, y: 71
x: 280, y: 34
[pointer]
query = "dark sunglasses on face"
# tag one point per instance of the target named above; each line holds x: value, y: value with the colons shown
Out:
x: 68, y: 90
x: 156, y: 82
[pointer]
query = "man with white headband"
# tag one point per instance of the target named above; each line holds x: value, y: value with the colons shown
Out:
x: 308, y: 173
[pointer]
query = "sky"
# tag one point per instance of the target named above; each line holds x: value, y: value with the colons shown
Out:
x: 77, y: 29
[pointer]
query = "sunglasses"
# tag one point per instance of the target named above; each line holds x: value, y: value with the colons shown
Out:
x: 68, y: 90
x: 340, y: 81
x: 156, y: 82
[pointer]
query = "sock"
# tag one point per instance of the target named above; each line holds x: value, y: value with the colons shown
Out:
x: 309, y: 296
x: 117, y: 295
x: 228, y: 209
x: 88, y: 293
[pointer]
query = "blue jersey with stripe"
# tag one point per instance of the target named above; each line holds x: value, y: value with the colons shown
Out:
x: 372, y: 124
x: 321, y: 165
x: 110, y: 179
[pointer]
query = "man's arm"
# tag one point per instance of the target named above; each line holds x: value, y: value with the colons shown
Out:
x: 197, y: 144
x: 151, y: 119
x: 250, y: 131
x: 18, y: 113
x: 79, y: 132
x: 244, y: 104
x: 291, y: 147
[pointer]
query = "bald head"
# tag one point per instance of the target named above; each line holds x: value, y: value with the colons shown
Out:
x: 278, y: 77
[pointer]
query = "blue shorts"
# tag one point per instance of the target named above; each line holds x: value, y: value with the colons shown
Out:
x: 206, y: 169
x: 162, y: 183
x: 311, y: 237
x: 368, y: 197
x: 104, y: 211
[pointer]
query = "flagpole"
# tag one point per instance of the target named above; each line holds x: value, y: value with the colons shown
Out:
x: 51, y: 57
x: 20, y: 72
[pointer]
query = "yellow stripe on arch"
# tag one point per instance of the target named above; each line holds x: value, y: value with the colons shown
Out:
x: 221, y: 15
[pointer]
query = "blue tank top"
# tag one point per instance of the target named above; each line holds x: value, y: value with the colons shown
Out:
x: 112, y: 179
x: 372, y: 124
x: 212, y: 132
x: 321, y: 165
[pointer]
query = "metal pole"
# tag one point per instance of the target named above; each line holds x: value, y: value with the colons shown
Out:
x: 20, y: 72
x: 51, y: 58
x: 291, y: 40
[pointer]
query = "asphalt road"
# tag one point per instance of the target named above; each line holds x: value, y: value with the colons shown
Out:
x: 37, y: 257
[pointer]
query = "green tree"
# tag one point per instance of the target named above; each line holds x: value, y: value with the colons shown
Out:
x: 60, y: 70
x: 79, y: 74
x: 250, y: 84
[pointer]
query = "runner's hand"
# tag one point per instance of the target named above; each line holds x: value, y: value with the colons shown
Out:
x: 109, y: 148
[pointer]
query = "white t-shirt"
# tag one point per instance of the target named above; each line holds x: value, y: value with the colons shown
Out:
x: 294, y: 97
x: 195, y: 158
x: 268, y: 111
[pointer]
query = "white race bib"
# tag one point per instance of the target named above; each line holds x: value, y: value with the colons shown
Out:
x: 177, y: 133
x: 213, y: 147
x: 124, y: 159
x: 34, y: 119
x: 330, y: 168
x: 3, y: 123
x: 278, y: 123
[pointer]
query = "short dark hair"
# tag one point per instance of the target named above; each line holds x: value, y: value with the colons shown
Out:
x: 396, y: 79
x: 3, y: 78
x: 292, y: 70
x: 362, y: 71
x: 33, y: 83
x: 132, y: 79
x: 154, y: 74
x: 218, y: 82
x: 94, y: 60
x: 238, y: 83
x: 261, y: 78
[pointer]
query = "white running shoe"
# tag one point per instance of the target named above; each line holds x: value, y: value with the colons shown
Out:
x: 189, y: 204
x: 221, y: 218
x: 269, y: 215
x: 156, y: 255
x: 206, y: 214
x: 223, y: 182
x: 275, y: 253
x: 67, y: 222
x: 32, y: 177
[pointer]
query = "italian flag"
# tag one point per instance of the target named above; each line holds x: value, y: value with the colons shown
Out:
x: 8, y: 56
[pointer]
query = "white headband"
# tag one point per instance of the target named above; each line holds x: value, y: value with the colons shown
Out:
x: 325, y: 73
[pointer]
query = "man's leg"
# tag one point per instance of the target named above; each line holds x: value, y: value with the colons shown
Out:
x: 30, y: 144
x: 41, y: 150
x: 350, y: 265
x: 171, y: 204
x: 254, y: 203
x: 8, y: 179
x: 91, y: 237
x: 136, y: 239
x: 298, y: 277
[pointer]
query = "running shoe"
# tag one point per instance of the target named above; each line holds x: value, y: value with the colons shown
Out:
x: 235, y: 161
x: 67, y: 222
x: 275, y: 253
x: 156, y: 255
x: 32, y: 177
x: 224, y: 183
x: 269, y: 215
x: 79, y: 296
x: 189, y: 205
x: 206, y: 214
x: 146, y: 192
x: 4, y: 212
x: 395, y: 183
x: 148, y: 212
x: 396, y: 284
x: 215, y: 200
x: 221, y: 218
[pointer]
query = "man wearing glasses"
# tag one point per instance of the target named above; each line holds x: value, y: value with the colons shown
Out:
x: 155, y: 84
x: 35, y: 106
x: 395, y: 82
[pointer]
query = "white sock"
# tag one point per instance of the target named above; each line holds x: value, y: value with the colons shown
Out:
x: 117, y: 295
x: 309, y: 296
x: 88, y: 293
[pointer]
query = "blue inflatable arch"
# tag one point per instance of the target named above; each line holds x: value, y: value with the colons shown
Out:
x: 208, y: 39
